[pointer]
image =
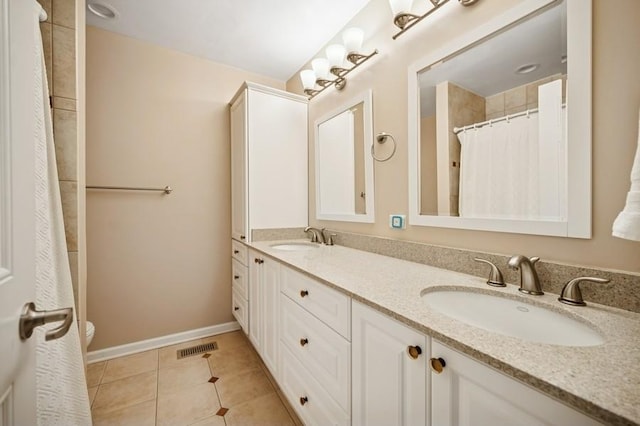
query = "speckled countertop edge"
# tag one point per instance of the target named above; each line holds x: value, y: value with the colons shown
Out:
x: 601, y: 381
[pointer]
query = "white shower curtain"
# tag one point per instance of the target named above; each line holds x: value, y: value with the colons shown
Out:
x: 504, y: 170
x: 499, y: 170
x: 62, y: 397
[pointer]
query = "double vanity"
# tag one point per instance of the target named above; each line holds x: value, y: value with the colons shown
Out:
x: 354, y: 337
x: 358, y: 338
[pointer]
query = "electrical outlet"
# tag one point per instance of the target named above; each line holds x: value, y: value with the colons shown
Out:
x: 397, y: 221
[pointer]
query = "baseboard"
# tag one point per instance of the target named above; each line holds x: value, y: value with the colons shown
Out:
x: 158, y: 342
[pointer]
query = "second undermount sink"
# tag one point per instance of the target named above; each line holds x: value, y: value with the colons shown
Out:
x: 294, y: 246
x: 511, y: 317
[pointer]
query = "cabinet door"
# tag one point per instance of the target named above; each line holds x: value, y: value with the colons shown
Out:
x: 255, y: 294
x: 389, y: 386
x: 270, y: 302
x: 467, y: 392
x: 238, y: 169
x: 277, y: 139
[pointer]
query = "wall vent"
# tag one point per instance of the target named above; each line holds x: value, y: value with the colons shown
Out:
x: 196, y: 350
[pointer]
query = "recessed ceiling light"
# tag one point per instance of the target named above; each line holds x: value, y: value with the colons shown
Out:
x: 526, y: 69
x: 102, y: 10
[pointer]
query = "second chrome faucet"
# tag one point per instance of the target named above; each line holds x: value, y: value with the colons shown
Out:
x: 319, y: 235
x: 529, y: 281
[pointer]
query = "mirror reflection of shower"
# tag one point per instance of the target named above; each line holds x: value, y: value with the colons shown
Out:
x: 493, y: 125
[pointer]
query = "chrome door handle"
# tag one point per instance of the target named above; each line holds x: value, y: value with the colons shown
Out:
x: 32, y: 318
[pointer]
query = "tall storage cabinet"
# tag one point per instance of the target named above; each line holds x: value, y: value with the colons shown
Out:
x: 268, y: 160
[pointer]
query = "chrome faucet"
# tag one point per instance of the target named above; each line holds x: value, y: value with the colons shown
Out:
x: 529, y: 282
x: 316, y: 234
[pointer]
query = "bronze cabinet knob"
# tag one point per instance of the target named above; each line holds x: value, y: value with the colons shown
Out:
x: 258, y: 261
x: 304, y: 293
x: 236, y: 308
x: 414, y: 351
x: 242, y: 237
x: 235, y: 277
x: 304, y: 341
x: 236, y: 252
x: 437, y: 365
x: 303, y: 400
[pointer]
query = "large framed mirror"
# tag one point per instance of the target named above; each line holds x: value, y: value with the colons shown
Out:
x: 344, y: 167
x: 500, y: 125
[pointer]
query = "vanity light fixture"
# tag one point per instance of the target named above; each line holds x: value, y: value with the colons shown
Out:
x: 332, y: 69
x: 404, y: 19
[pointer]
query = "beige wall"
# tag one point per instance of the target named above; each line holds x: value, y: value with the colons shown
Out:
x: 157, y: 264
x: 616, y: 98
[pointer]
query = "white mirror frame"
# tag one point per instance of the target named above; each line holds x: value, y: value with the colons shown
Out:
x: 579, y: 29
x: 369, y: 216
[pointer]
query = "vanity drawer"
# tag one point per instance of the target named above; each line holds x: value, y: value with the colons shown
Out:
x: 312, y: 403
x: 322, y: 351
x: 240, y: 309
x: 239, y: 252
x: 240, y: 278
x: 327, y: 304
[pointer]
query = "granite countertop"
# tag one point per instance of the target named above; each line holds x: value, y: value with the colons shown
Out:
x: 601, y: 381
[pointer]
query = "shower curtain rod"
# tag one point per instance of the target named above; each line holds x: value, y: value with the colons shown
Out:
x: 167, y: 189
x: 457, y: 130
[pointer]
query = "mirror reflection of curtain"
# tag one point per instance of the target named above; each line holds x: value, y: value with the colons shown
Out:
x: 336, y: 155
x: 516, y: 168
x: 499, y: 170
x: 506, y: 172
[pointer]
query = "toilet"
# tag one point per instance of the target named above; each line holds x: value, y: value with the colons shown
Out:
x: 91, y: 330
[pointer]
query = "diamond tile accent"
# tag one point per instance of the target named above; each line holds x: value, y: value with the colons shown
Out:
x: 205, y: 356
x: 222, y: 411
x: 213, y: 379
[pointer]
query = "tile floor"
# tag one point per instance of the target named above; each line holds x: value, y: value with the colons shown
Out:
x: 227, y: 386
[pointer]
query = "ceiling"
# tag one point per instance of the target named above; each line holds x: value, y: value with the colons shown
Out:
x: 273, y: 38
x: 489, y: 67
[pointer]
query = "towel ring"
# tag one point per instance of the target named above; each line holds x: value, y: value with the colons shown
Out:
x: 382, y: 138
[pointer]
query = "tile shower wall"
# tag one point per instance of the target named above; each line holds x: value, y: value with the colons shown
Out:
x: 59, y: 41
x: 519, y: 98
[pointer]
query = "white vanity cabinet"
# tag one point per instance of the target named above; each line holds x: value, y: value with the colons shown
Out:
x: 389, y: 383
x: 315, y: 355
x: 240, y: 284
x: 264, y: 292
x: 467, y: 393
x: 268, y: 160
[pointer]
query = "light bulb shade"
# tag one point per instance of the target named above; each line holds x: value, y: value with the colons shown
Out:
x: 400, y: 6
x: 308, y: 78
x: 352, y: 38
x: 321, y: 68
x: 336, y: 54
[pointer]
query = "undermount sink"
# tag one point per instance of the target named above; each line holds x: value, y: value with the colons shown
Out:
x: 294, y: 246
x: 511, y: 317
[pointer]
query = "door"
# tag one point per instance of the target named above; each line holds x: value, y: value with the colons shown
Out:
x: 255, y: 297
x: 466, y: 392
x: 389, y: 381
x: 239, y: 169
x: 17, y: 207
x: 270, y: 309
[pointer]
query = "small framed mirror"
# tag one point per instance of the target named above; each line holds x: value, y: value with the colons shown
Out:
x: 344, y: 167
x: 500, y: 125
